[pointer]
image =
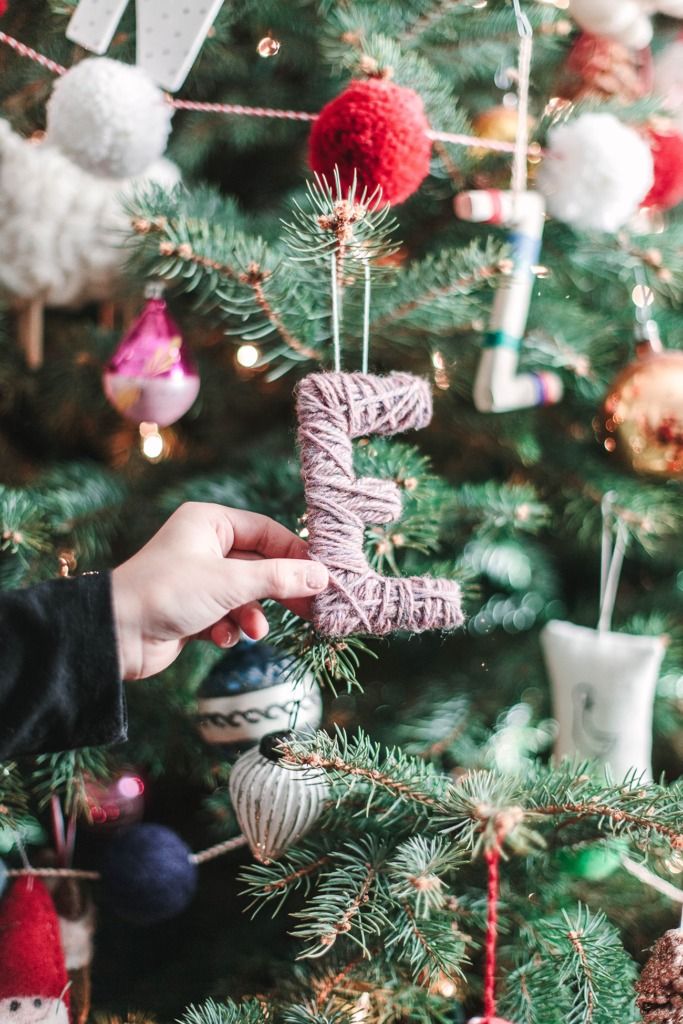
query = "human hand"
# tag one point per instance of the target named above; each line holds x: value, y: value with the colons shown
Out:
x: 202, y: 576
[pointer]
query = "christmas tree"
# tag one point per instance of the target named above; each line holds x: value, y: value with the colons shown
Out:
x: 479, y: 815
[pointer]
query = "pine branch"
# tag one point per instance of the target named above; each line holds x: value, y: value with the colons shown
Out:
x: 572, y: 973
x: 273, y: 883
x: 13, y: 796
x: 349, y: 761
x: 346, y: 901
x: 65, y: 774
x: 229, y: 1012
x: 252, y: 278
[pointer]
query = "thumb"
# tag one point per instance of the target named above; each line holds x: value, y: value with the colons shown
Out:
x: 278, y: 578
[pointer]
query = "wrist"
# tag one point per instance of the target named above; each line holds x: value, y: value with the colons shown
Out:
x: 127, y: 624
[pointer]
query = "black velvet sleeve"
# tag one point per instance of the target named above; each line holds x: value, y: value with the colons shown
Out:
x: 60, y: 685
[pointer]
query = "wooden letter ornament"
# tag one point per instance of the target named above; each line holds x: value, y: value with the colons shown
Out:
x: 332, y: 409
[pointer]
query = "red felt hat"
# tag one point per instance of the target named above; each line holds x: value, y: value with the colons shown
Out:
x: 31, y: 957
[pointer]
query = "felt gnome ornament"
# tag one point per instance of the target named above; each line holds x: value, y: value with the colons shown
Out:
x: 33, y: 981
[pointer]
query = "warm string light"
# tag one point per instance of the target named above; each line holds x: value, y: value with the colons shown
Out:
x: 151, y: 442
x: 240, y: 110
x: 247, y: 356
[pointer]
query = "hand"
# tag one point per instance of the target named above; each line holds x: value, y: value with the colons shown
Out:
x: 202, y: 576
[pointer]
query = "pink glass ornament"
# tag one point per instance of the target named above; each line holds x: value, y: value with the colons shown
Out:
x: 115, y: 803
x: 152, y: 376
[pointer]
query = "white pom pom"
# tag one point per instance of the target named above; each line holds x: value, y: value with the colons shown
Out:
x: 596, y: 172
x: 108, y: 117
x: 622, y: 20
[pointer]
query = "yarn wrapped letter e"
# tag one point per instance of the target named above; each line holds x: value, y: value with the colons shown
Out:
x: 332, y: 409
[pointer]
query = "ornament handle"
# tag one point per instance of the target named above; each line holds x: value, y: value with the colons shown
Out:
x: 646, y: 330
x: 611, y: 559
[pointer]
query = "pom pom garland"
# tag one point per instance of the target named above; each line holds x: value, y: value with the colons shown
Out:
x: 378, y: 131
x: 667, y: 155
x: 148, y: 874
x: 596, y: 172
x: 108, y: 117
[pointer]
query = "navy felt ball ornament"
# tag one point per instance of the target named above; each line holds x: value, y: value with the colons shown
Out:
x: 249, y: 693
x: 148, y: 874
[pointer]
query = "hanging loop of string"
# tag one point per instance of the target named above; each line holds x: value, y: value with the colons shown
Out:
x: 614, y: 540
x: 336, y: 315
x: 492, y: 858
x: 519, y: 160
x: 365, y: 357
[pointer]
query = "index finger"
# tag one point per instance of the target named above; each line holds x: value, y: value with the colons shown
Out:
x: 265, y: 537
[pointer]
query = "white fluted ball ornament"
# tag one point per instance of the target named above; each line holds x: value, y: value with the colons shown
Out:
x: 109, y: 118
x: 275, y: 804
x: 596, y: 172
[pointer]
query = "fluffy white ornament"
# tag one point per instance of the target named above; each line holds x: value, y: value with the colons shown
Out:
x: 108, y: 117
x: 595, y: 173
x: 626, y: 21
x: 62, y: 227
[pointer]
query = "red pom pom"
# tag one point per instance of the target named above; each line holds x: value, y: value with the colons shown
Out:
x: 667, y: 153
x: 379, y: 130
x: 4, y: 4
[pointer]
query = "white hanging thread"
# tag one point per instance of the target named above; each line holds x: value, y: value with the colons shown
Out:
x: 336, y: 315
x: 648, y: 877
x: 519, y: 160
x: 365, y: 360
x: 611, y: 559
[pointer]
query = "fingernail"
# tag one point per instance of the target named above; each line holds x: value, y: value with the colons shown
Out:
x: 229, y: 636
x: 316, y: 576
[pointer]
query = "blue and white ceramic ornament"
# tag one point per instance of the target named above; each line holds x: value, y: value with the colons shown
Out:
x: 250, y: 693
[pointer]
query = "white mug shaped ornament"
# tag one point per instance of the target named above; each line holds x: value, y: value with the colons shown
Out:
x: 603, y: 687
x: 169, y: 36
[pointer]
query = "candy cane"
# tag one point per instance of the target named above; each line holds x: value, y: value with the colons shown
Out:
x: 498, y: 387
x: 169, y: 36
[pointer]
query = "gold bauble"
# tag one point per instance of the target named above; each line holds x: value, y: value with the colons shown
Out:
x: 497, y: 123
x: 643, y: 414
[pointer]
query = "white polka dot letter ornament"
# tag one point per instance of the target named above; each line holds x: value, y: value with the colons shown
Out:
x: 169, y: 35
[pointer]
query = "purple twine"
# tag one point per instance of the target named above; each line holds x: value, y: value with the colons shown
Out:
x: 334, y: 408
